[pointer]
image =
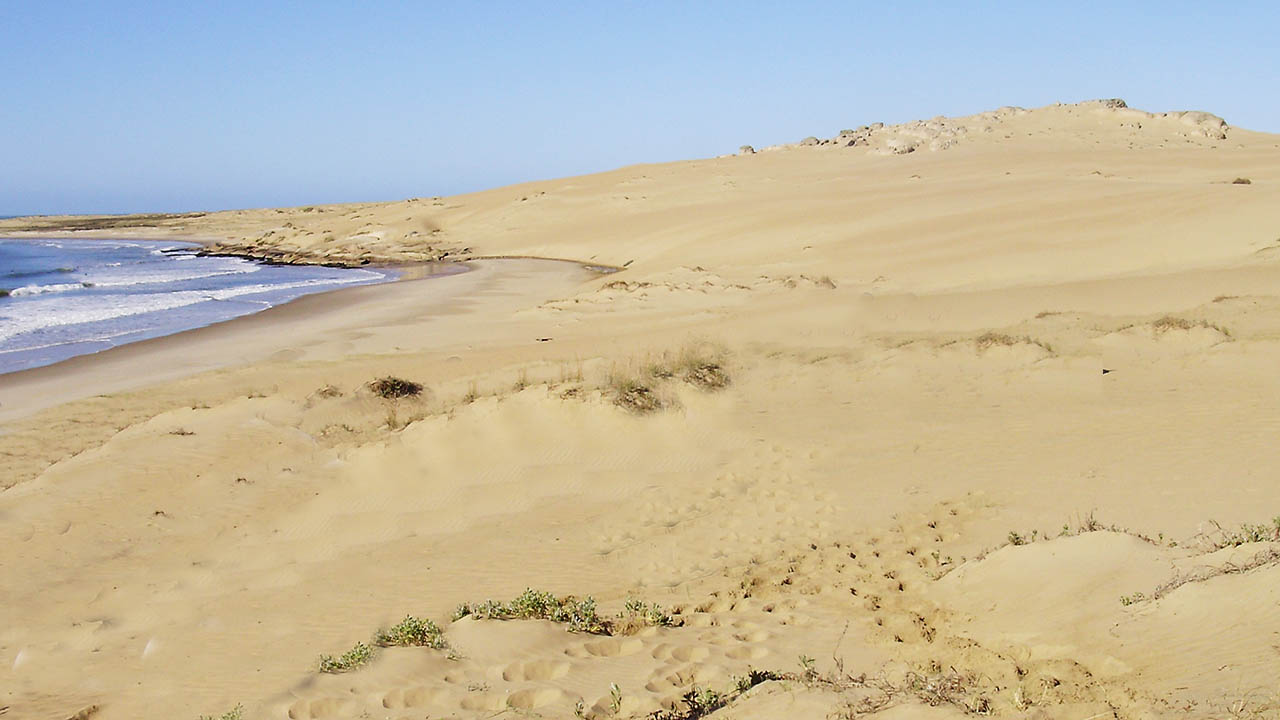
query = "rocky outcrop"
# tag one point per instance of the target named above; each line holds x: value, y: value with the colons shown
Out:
x: 942, y: 133
x: 349, y: 256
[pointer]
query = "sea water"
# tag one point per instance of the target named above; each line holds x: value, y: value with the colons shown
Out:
x: 62, y: 298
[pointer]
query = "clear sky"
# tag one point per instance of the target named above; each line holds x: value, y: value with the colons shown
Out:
x: 137, y: 106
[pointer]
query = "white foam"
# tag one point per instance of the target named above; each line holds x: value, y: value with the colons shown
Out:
x: 43, y: 289
x: 78, y: 310
x: 166, y: 276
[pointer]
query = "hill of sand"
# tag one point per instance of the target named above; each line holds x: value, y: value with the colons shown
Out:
x: 965, y: 416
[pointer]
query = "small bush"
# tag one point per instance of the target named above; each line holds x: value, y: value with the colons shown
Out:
x: 393, y: 387
x: 357, y: 656
x: 1242, y: 181
x: 412, y: 631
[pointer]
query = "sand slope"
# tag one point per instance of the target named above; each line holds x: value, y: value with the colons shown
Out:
x: 919, y: 494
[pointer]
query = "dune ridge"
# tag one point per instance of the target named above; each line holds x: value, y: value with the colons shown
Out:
x: 983, y: 428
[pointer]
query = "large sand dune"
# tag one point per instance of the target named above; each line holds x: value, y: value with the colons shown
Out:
x: 970, y: 428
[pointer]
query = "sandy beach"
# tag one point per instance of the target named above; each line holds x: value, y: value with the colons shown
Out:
x: 968, y: 416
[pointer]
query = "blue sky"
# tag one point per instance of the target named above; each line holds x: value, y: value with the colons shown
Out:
x: 136, y: 106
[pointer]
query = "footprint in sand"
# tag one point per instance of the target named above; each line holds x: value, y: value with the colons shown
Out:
x: 690, y: 653
x: 538, y: 670
x: 414, y: 697
x: 322, y: 708
x: 531, y: 698
x: 747, y: 653
x: 484, y: 701
x: 608, y: 647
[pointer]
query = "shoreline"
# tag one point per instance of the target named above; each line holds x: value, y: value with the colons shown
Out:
x: 390, y: 274
x: 303, y: 327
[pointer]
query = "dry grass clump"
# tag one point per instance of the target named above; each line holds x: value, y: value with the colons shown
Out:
x: 701, y: 366
x: 994, y: 339
x: 1246, y: 533
x: 935, y: 688
x: 390, y: 388
x: 1223, y: 538
x: 580, y: 614
x: 863, y: 695
x: 1270, y: 556
x: 1242, y: 181
x: 641, y: 392
x: 1257, y: 705
x: 1170, y: 322
x: 634, y: 395
x: 706, y: 376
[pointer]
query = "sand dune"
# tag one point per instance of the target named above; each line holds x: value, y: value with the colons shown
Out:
x: 985, y: 427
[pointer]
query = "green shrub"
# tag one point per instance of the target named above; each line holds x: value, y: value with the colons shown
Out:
x: 579, y: 614
x: 357, y: 656
x: 412, y: 631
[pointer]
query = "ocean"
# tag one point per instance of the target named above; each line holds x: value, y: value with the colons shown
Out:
x: 62, y: 298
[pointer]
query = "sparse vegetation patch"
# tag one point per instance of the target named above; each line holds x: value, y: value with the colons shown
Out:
x: 580, y: 614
